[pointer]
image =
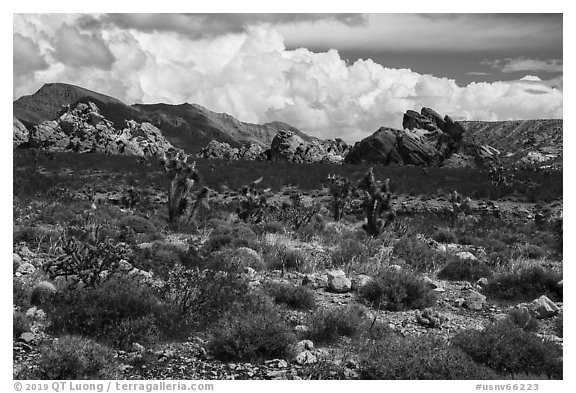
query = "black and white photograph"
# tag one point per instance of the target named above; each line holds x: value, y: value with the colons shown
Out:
x: 232, y: 196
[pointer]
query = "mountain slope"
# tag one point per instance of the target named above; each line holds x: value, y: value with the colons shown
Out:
x: 520, y: 140
x: 188, y: 126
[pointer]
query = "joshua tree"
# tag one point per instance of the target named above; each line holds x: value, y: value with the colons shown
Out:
x: 377, y: 197
x: 254, y: 204
x: 340, y: 189
x: 181, y: 207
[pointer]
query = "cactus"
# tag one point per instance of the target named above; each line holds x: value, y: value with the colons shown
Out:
x: 377, y: 197
x: 42, y: 293
x: 339, y: 187
x: 184, y: 176
x: 429, y: 318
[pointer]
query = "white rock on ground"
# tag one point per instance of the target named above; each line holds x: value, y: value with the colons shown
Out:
x: 543, y: 307
x: 338, y: 282
x: 475, y: 301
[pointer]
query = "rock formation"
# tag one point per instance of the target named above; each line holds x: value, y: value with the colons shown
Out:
x: 83, y: 129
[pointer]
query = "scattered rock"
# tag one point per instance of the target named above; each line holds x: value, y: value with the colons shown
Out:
x: 25, y: 268
x: 466, y: 255
x: 304, y: 345
x: 543, y: 307
x: 360, y: 281
x: 20, y: 134
x: 27, y: 338
x: 475, y: 301
x: 482, y: 282
x: 138, y: 348
x: 16, y: 262
x: 305, y: 358
x: 338, y: 282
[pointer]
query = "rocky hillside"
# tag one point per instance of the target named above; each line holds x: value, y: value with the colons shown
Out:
x: 187, y: 126
x: 520, y: 142
x: 83, y: 129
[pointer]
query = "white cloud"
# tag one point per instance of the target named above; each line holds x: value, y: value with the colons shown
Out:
x: 531, y: 78
x: 252, y: 76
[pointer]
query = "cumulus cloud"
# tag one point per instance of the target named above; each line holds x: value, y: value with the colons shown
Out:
x: 75, y: 48
x: 254, y: 77
x: 26, y: 56
x: 521, y: 64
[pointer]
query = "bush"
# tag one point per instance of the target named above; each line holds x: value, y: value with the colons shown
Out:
x: 249, y: 332
x: 20, y: 323
x: 559, y: 325
x: 506, y: 348
x: 72, y: 357
x: 418, y: 254
x: 199, y: 298
x: 531, y: 251
x: 159, y: 259
x: 466, y: 239
x: 416, y: 358
x: 138, y: 224
x: 328, y: 325
x: 120, y: 311
x: 349, y: 250
x: 235, y: 260
x: 233, y: 237
x: 397, y: 290
x: 464, y: 269
x: 274, y: 227
x: 444, y: 235
x: 523, y: 319
x: 525, y: 283
x: 294, y: 296
x: 283, y: 257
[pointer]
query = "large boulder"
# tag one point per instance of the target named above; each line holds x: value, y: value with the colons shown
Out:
x: 219, y: 150
x: 378, y: 148
x: 20, y: 133
x: 285, y: 146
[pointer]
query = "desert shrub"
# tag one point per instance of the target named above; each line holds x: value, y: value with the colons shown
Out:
x: 349, y: 250
x: 525, y: 283
x: 158, y: 259
x: 523, y: 319
x: 21, y: 291
x: 138, y: 224
x: 506, y: 348
x: 416, y: 358
x: 328, y: 325
x: 464, y: 269
x: 42, y: 293
x: 466, y: 239
x: 397, y: 290
x: 76, y: 358
x: 559, y: 325
x: 198, y: 298
x: 231, y: 236
x: 494, y: 245
x: 444, y: 235
x: 280, y: 257
x: 20, y: 323
x: 294, y: 296
x: 531, y: 251
x: 418, y: 254
x: 235, y: 260
x: 120, y: 311
x: 38, y: 236
x: 253, y: 330
x: 274, y: 227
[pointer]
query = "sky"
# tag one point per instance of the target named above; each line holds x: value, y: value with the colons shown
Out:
x: 330, y: 75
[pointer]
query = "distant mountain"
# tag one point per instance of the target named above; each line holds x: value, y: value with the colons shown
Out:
x: 188, y: 126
